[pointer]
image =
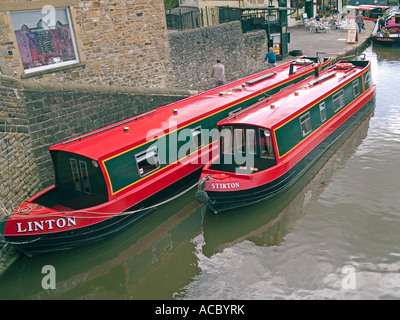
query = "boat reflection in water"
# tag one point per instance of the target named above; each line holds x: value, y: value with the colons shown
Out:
x: 160, y: 257
x: 267, y: 222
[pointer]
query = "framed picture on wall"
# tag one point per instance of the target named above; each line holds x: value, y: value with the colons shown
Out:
x: 45, y: 38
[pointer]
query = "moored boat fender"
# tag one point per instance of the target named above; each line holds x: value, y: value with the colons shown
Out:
x: 343, y: 65
x: 201, y: 195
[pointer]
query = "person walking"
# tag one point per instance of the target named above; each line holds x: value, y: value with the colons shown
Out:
x: 359, y: 21
x: 218, y: 73
x: 270, y: 58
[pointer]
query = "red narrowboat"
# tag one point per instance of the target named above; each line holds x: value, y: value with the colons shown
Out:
x: 369, y: 12
x: 266, y: 147
x: 109, y: 178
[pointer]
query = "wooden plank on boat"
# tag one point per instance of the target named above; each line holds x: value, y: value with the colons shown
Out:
x: 253, y: 81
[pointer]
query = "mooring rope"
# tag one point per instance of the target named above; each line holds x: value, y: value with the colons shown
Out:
x: 107, y: 214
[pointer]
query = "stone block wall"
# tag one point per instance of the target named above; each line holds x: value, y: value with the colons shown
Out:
x: 194, y: 52
x: 18, y: 170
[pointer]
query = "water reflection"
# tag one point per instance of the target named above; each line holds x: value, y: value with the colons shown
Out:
x: 165, y: 254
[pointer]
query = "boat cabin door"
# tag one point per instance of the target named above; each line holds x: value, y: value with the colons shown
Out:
x: 246, y: 149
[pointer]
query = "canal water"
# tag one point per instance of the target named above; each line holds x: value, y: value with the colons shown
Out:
x: 333, y: 235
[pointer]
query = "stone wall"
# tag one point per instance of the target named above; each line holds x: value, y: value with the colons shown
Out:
x: 18, y: 170
x: 118, y: 42
x: 126, y: 43
x: 36, y: 115
x: 194, y: 52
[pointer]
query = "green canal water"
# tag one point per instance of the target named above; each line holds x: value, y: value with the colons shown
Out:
x: 333, y: 235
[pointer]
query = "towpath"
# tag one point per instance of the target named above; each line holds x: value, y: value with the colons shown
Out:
x: 333, y: 43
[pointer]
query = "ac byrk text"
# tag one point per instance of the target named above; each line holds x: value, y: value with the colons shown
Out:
x: 217, y: 309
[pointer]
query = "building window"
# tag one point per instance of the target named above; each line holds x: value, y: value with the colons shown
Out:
x: 45, y: 38
x: 305, y: 124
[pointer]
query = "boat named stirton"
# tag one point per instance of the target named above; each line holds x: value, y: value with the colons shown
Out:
x: 266, y: 147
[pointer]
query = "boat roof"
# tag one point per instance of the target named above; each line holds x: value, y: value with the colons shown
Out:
x: 366, y: 6
x: 286, y: 104
x: 114, y: 138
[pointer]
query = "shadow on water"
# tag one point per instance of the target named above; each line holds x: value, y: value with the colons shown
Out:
x: 156, y: 257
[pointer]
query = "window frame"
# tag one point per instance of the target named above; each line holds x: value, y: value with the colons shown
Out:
x: 251, y: 141
x: 84, y: 177
x: 196, y: 132
x: 72, y: 47
x: 306, y: 122
x: 322, y: 111
x: 226, y: 148
x: 269, y: 146
x: 338, y: 97
x: 356, y: 86
x: 76, y: 179
x: 144, y: 155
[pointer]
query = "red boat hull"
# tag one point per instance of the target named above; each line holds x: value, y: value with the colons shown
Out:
x: 225, y: 190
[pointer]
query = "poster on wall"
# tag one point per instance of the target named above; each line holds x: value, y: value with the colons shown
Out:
x: 351, y: 36
x: 45, y: 38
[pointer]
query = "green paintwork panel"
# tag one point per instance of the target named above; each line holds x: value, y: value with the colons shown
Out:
x: 2, y: 226
x: 290, y: 134
x: 123, y: 169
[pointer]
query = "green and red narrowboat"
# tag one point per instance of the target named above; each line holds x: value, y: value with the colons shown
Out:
x: 108, y: 178
x: 268, y: 146
x: 369, y: 12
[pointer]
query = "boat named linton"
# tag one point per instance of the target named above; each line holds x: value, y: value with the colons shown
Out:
x: 268, y: 146
x: 108, y: 178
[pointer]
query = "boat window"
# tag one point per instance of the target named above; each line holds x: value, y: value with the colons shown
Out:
x: 75, y: 174
x: 251, y: 141
x: 368, y: 79
x: 147, y: 161
x: 338, y: 101
x: 239, y: 140
x: 267, y: 150
x: 197, y: 139
x: 322, y: 111
x: 305, y: 124
x: 356, y: 88
x: 85, y: 176
x: 226, y: 140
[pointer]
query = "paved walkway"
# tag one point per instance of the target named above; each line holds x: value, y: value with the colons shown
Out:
x: 332, y: 43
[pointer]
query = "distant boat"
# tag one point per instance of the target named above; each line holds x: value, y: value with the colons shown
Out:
x: 109, y: 178
x: 265, y: 148
x: 369, y: 12
x: 387, y: 31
